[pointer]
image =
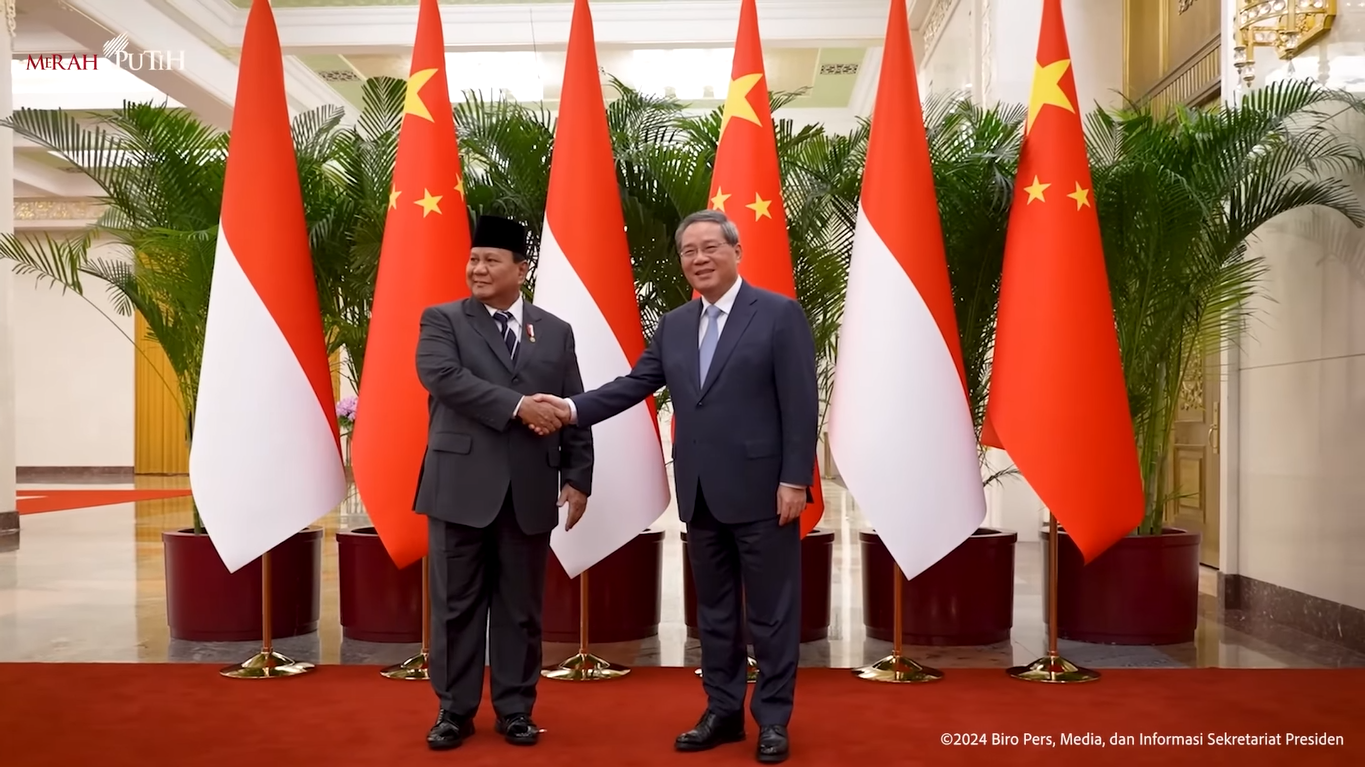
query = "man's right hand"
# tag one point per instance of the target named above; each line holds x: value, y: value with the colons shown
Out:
x: 560, y: 405
x: 542, y: 416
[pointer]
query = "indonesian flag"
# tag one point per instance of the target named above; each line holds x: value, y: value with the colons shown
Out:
x: 265, y: 460
x: 912, y: 467
x: 747, y: 187
x: 584, y: 276
x: 421, y: 263
x: 1056, y: 348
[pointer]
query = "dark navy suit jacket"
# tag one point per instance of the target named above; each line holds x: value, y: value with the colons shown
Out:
x: 752, y: 425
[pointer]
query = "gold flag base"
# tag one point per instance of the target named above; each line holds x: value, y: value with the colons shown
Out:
x: 266, y: 665
x: 898, y: 669
x: 750, y: 675
x: 1053, y: 669
x: 584, y: 667
x: 413, y: 669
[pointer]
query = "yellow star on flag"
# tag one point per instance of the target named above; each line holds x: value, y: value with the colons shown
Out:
x: 760, y: 207
x: 718, y: 202
x: 460, y: 187
x: 1081, y: 196
x: 1035, y: 192
x: 393, y: 198
x: 429, y: 203
x: 412, y: 100
x: 1047, y: 90
x: 737, y: 101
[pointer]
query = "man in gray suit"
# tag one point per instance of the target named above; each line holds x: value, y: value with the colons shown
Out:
x: 491, y: 485
x: 739, y: 364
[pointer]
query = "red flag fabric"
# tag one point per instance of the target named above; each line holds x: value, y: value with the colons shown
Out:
x: 584, y: 276
x: 426, y: 246
x: 746, y: 185
x: 1056, y: 349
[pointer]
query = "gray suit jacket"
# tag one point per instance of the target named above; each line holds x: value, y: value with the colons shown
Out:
x: 476, y: 448
x: 752, y: 425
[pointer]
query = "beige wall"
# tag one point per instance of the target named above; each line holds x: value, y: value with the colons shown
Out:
x: 73, y: 374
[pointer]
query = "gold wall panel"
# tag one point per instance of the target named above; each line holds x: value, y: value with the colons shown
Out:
x: 159, y: 445
x: 1144, y: 60
x: 1172, y: 51
x: 1191, y: 29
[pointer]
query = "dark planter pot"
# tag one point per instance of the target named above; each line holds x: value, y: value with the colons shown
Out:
x: 966, y: 598
x: 1143, y: 591
x: 379, y: 602
x: 624, y: 593
x: 206, y: 603
x: 817, y: 560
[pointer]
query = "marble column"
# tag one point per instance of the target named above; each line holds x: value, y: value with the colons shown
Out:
x: 9, y: 516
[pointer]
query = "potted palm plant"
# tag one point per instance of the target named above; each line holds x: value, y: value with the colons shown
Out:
x: 161, y: 174
x: 966, y: 598
x: 1179, y: 196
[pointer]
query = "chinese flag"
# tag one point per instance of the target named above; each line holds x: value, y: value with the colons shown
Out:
x: 426, y: 245
x: 747, y: 186
x: 1056, y: 349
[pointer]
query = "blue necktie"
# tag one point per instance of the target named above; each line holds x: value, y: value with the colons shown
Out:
x: 707, y: 350
x: 508, y: 337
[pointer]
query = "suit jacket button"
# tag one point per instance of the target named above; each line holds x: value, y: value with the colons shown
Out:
x: 516, y: 379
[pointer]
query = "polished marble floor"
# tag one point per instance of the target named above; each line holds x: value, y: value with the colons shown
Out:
x: 88, y: 585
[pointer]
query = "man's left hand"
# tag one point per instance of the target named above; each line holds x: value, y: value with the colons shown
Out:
x: 578, y: 503
x: 791, y: 501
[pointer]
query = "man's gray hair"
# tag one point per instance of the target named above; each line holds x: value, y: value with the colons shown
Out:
x: 728, y: 230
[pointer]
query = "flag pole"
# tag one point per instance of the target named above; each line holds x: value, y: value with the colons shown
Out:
x: 584, y: 666
x: 414, y: 669
x: 896, y: 668
x: 1052, y: 668
x: 266, y: 664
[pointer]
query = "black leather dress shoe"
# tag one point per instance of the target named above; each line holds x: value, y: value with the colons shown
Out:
x: 772, y: 744
x: 449, y: 731
x: 519, y: 730
x: 711, y: 731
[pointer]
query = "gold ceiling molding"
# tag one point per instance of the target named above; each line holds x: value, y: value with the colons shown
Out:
x: 1288, y: 26
x: 57, y: 210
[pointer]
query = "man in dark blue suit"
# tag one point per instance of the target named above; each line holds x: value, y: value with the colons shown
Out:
x: 739, y: 364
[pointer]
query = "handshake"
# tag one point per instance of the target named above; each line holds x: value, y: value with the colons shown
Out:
x: 545, y: 413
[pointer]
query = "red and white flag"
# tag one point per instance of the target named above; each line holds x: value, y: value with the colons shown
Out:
x: 584, y: 276
x: 900, y: 426
x: 265, y: 460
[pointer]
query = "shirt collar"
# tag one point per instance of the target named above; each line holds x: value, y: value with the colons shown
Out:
x: 515, y: 310
x: 726, y: 302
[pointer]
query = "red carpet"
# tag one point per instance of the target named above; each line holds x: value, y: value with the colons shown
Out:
x: 39, y: 501
x: 144, y: 714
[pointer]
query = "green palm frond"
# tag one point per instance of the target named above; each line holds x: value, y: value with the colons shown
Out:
x: 1179, y: 196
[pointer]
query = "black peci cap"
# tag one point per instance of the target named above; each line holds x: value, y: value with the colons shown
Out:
x: 502, y: 233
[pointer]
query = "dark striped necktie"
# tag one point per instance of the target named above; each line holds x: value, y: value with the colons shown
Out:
x: 505, y: 328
